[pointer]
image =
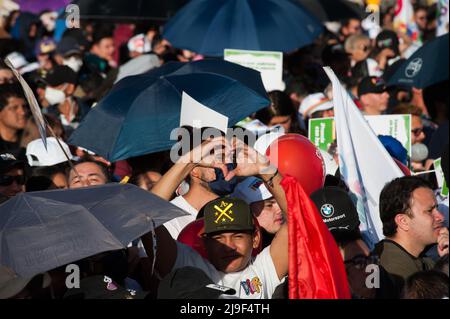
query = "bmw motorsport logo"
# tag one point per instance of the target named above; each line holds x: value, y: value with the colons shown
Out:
x: 327, y: 210
x: 414, y: 68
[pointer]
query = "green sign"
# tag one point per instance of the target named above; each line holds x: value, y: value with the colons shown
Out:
x: 322, y: 130
x: 440, y: 177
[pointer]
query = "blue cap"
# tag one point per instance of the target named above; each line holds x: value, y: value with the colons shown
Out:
x: 394, y: 148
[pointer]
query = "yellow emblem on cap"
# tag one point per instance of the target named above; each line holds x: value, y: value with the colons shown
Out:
x: 223, y: 211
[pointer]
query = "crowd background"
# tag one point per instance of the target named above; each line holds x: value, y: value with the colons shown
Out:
x: 70, y: 70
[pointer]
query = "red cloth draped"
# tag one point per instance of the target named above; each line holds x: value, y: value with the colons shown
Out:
x: 316, y: 268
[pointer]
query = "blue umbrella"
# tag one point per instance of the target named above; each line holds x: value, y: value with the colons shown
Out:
x: 40, y: 231
x: 210, y: 26
x: 334, y: 10
x: 427, y: 66
x: 140, y: 112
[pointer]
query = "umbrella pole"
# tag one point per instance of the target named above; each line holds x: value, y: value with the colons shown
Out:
x: 72, y: 167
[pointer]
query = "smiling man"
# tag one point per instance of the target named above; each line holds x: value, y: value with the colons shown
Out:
x: 411, y: 222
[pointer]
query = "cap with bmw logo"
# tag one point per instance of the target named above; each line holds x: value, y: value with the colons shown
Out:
x: 336, y: 208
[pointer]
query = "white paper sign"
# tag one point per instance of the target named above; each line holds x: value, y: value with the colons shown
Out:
x: 197, y: 115
x: 397, y: 126
x: 268, y: 63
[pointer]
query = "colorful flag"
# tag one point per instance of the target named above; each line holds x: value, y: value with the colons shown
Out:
x: 442, y: 17
x: 364, y: 163
x: 404, y: 20
x: 316, y: 268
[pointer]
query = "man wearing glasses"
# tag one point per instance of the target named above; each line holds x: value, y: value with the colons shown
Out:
x: 12, y: 179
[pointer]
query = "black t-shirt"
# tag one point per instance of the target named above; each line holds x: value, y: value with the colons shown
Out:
x: 12, y: 148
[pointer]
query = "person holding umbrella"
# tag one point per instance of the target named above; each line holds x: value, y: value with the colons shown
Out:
x: 229, y: 235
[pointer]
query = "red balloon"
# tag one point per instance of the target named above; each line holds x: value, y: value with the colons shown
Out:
x: 296, y: 156
x: 403, y: 167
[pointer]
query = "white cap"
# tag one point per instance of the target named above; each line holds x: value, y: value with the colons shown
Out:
x: 8, y: 6
x: 17, y: 60
x: 330, y: 164
x: 139, y: 43
x: 314, y: 103
x: 373, y: 68
x: 264, y: 141
x: 38, y: 156
x: 251, y: 190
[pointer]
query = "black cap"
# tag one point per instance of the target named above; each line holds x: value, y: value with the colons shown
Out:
x: 336, y: 208
x: 8, y: 161
x: 371, y: 84
x: 68, y: 46
x: 101, y: 287
x: 190, y: 283
x: 60, y: 74
x: 227, y: 214
x: 388, y: 39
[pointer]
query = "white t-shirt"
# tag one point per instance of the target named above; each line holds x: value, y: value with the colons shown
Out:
x: 257, y: 281
x: 176, y: 225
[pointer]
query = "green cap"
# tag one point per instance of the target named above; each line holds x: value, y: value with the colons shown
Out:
x: 227, y: 214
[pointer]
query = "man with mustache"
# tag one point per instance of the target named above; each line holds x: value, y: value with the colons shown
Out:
x: 411, y: 222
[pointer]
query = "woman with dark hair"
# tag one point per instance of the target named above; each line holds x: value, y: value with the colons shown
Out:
x: 280, y: 112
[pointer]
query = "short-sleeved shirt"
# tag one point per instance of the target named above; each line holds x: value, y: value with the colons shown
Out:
x: 176, y: 225
x: 257, y: 281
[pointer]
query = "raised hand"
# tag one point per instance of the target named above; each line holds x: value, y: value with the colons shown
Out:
x: 249, y: 161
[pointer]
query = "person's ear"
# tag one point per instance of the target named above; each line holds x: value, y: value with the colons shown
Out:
x: 364, y: 99
x: 256, y: 238
x: 402, y: 221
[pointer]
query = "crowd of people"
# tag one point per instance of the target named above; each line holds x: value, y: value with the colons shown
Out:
x: 248, y: 253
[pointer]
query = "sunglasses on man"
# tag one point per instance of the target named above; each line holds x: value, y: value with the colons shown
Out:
x: 7, y: 180
x: 417, y: 131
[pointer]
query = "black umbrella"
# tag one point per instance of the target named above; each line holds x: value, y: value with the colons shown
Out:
x: 334, y: 10
x: 427, y: 66
x: 129, y: 10
x: 40, y: 231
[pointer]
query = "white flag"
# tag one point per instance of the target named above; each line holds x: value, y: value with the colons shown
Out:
x: 443, y: 18
x: 364, y: 163
x: 404, y: 20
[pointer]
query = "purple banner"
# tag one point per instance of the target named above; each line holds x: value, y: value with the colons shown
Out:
x: 36, y: 6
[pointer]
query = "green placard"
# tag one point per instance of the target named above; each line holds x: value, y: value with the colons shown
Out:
x: 440, y: 177
x: 322, y: 132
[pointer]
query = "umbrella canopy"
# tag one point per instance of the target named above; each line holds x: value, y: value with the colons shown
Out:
x: 333, y: 10
x: 129, y: 10
x: 210, y: 26
x: 427, y: 66
x: 40, y: 231
x: 140, y: 112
